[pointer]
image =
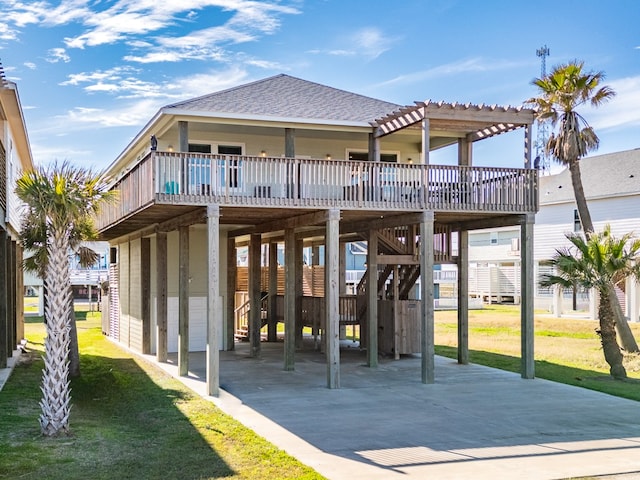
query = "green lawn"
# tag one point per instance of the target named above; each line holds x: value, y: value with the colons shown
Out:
x: 566, y: 350
x: 129, y: 420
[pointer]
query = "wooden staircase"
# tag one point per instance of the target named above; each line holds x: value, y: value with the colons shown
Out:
x: 241, y: 315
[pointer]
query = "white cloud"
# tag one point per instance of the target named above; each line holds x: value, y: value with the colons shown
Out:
x: 132, y: 114
x: 112, y: 74
x: 30, y: 65
x: 122, y: 83
x: 139, y: 101
x: 622, y: 111
x: 132, y: 23
x: 471, y: 65
x: 56, y: 55
x: 367, y: 42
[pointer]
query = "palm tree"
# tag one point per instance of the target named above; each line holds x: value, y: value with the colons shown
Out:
x: 601, y: 261
x: 61, y: 200
x: 565, y: 89
x: 562, y: 91
x: 33, y: 237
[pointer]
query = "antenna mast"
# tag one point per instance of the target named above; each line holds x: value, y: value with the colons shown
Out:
x: 542, y: 159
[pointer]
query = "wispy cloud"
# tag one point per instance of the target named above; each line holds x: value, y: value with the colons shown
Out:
x: 132, y: 23
x: 367, y: 42
x: 471, y: 65
x: 622, y: 111
x: 138, y: 101
x: 55, y: 55
x: 30, y: 65
x: 122, y: 83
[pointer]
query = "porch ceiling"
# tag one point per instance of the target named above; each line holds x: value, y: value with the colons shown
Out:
x: 270, y: 222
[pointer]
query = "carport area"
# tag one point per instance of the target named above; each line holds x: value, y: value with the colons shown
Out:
x: 384, y: 423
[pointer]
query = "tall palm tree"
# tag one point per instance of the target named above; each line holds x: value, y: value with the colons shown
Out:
x: 561, y: 93
x: 599, y: 262
x: 61, y: 199
x: 33, y: 237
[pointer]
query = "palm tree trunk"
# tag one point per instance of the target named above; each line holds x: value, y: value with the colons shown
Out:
x: 627, y: 339
x: 56, y: 398
x: 607, y: 332
x: 581, y: 199
x: 74, y: 352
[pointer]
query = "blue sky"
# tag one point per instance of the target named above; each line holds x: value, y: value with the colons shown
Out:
x: 91, y: 73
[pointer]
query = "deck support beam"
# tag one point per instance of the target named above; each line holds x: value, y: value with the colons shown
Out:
x: 425, y: 139
x: 426, y: 294
x: 214, y: 304
x: 528, y: 143
x: 145, y: 293
x: 299, y: 266
x: 232, y: 273
x: 4, y: 314
x: 183, y: 136
x: 372, y: 299
x: 463, y: 297
x: 272, y: 334
x: 527, y: 366
x: 332, y: 298
x: 289, y: 299
x: 20, y: 289
x: 183, y: 301
x: 161, y: 299
x: 255, y: 309
x: 290, y: 142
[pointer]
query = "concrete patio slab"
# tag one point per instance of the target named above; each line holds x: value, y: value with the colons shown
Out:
x: 383, y: 423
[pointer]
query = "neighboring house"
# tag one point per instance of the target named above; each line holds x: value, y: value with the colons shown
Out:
x: 612, y: 186
x: 284, y: 161
x: 85, y: 281
x: 15, y: 156
x: 494, y: 265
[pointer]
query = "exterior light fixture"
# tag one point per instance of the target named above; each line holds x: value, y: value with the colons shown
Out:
x: 170, y: 148
x: 328, y: 156
x: 263, y: 153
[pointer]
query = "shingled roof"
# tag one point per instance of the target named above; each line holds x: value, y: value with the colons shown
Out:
x: 283, y: 96
x: 609, y: 175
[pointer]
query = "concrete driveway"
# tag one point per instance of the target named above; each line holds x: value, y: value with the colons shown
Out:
x: 383, y: 423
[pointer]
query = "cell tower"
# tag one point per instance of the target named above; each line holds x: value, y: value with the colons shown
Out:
x: 542, y: 159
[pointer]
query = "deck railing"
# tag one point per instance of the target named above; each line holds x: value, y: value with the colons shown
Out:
x: 236, y: 180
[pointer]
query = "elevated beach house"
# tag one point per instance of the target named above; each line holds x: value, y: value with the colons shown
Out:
x: 284, y: 161
x: 15, y: 157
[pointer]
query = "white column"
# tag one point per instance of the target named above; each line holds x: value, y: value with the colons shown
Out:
x: 214, y: 303
x: 332, y: 297
x: 425, y: 140
x: 426, y: 294
x: 372, y: 299
x: 527, y: 365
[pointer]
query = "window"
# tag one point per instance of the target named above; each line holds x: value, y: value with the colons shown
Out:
x: 200, y: 148
x: 364, y: 156
x: 201, y: 174
x: 493, y: 238
x: 577, y: 225
x: 233, y: 164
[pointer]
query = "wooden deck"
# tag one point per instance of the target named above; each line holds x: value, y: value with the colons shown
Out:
x: 193, y: 179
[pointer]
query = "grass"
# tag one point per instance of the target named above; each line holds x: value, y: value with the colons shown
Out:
x: 566, y: 350
x: 129, y: 420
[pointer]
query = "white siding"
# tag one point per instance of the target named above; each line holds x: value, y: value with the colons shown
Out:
x: 554, y: 221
